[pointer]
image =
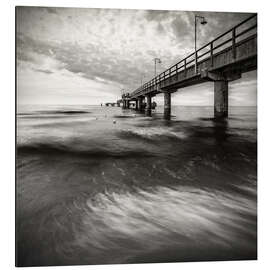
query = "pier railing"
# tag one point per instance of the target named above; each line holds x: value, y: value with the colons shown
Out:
x: 228, y: 39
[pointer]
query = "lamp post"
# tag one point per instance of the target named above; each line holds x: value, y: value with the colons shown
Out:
x: 203, y: 22
x: 156, y: 60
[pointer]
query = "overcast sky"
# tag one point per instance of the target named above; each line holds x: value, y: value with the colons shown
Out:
x: 86, y: 56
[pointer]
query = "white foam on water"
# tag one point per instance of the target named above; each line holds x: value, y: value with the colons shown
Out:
x: 151, y: 132
x: 152, y: 220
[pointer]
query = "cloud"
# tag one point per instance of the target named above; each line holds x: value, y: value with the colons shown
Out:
x: 181, y: 28
x: 51, y: 10
x: 46, y: 71
x: 108, y: 49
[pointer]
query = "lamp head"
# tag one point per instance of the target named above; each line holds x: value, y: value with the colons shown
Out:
x: 203, y: 22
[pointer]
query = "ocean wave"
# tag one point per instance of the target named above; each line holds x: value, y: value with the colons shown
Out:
x: 177, y: 206
x: 152, y: 133
x: 53, y: 112
x: 167, y: 218
x: 155, y: 224
x: 56, y: 149
x: 124, y: 116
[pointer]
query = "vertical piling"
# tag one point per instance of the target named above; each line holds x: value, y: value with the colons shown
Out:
x: 140, y: 103
x: 136, y: 104
x: 221, y: 99
x: 167, y: 105
x: 148, y: 105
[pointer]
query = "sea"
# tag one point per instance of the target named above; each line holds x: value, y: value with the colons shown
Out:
x: 106, y: 185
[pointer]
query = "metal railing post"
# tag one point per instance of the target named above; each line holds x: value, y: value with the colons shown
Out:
x: 233, y: 44
x: 185, y: 66
x: 196, y: 62
x: 211, y: 54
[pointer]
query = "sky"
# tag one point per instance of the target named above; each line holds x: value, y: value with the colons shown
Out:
x: 89, y: 56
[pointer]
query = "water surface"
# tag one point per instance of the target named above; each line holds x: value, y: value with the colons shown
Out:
x: 99, y: 185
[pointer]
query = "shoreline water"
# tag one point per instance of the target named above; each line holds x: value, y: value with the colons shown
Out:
x: 90, y: 191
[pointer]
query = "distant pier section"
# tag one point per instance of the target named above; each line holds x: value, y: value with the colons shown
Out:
x: 112, y: 104
x: 222, y: 60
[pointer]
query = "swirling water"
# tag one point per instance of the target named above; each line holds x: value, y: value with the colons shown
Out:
x: 100, y: 185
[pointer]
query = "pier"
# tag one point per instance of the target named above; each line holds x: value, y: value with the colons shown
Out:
x: 112, y: 104
x: 222, y: 60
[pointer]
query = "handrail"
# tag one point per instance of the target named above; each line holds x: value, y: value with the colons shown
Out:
x: 174, y: 69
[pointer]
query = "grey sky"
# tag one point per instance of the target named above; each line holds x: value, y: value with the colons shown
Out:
x: 86, y: 56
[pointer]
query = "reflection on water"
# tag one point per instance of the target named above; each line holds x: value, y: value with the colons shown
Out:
x: 91, y: 191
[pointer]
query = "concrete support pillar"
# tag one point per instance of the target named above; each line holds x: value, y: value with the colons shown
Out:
x: 140, y: 102
x: 148, y: 105
x: 221, y: 99
x: 136, y: 104
x: 167, y: 105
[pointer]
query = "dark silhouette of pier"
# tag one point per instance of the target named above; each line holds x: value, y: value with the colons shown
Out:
x: 222, y: 60
x: 112, y: 104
